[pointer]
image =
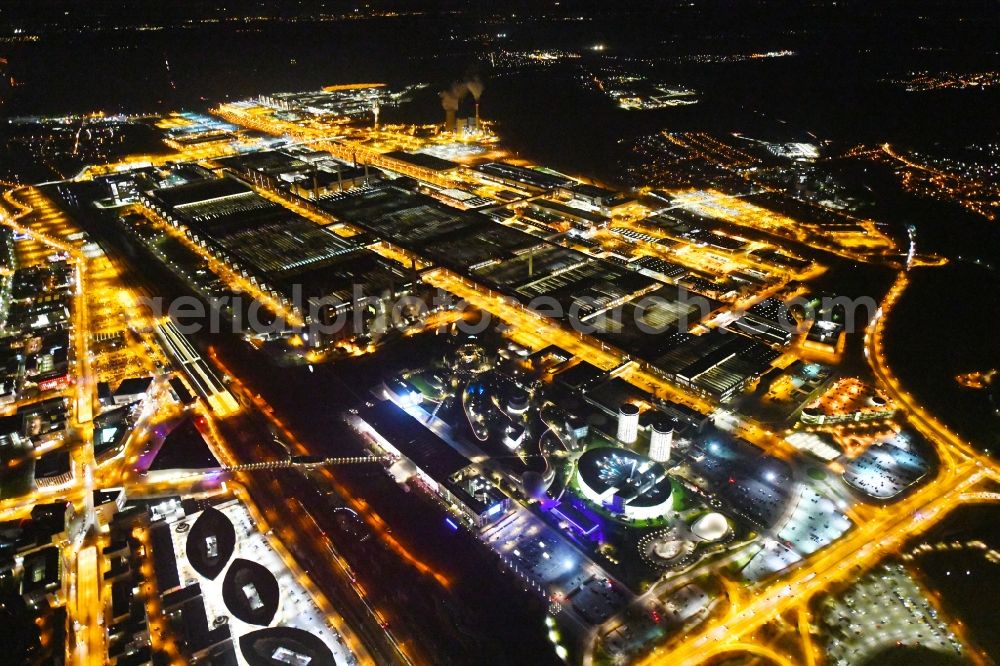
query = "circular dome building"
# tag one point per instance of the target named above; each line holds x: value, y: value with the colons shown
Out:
x: 517, y: 403
x: 710, y: 527
x: 625, y: 483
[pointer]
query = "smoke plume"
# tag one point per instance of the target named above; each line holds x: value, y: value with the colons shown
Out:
x: 450, y: 98
x: 475, y: 86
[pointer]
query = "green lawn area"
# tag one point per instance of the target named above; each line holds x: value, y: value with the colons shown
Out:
x: 421, y: 385
x: 816, y: 474
x: 16, y: 484
x: 678, y: 495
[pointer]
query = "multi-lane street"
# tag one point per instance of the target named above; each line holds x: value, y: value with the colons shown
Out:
x: 884, y: 534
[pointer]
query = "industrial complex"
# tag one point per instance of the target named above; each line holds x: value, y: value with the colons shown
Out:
x: 636, y: 406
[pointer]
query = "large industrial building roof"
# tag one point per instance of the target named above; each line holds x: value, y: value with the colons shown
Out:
x: 204, y: 190
x: 425, y: 449
x: 422, y: 160
x: 524, y: 175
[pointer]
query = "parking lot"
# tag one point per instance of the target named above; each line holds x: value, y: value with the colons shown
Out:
x: 539, y: 554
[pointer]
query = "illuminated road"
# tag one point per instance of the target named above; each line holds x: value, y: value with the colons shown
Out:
x: 844, y: 560
x: 189, y: 154
x: 864, y: 242
x: 88, y: 620
x: 37, y: 218
x: 45, y: 224
x: 961, y: 470
x: 292, y: 530
x: 333, y: 140
x: 929, y: 426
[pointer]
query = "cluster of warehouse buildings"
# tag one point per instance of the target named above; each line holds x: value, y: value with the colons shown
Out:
x: 310, y: 174
x: 334, y: 101
x: 305, y: 267
x: 524, y: 243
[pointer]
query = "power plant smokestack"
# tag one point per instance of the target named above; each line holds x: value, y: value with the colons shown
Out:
x: 451, y: 98
x: 449, y: 102
x: 476, y: 87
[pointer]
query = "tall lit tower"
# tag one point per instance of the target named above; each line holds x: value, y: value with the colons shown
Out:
x: 661, y: 438
x: 628, y: 423
x: 912, y: 232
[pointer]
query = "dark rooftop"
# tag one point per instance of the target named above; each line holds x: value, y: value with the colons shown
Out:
x: 184, y: 448
x: 422, y: 160
x: 52, y: 464
x: 201, y: 191
x: 210, y: 543
x: 134, y: 385
x: 164, y: 559
x: 260, y: 647
x: 425, y: 449
x: 581, y: 376
x: 251, y: 592
x: 42, y: 570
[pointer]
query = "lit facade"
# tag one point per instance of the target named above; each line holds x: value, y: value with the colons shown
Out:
x: 628, y: 423
x: 661, y: 439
